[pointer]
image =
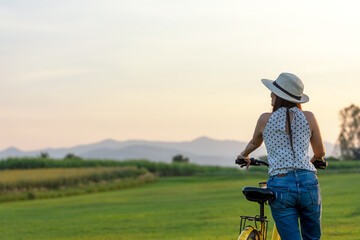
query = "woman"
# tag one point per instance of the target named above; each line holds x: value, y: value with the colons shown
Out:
x: 287, y: 132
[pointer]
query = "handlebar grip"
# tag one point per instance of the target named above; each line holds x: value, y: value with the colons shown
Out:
x: 320, y: 164
x: 253, y: 162
x: 239, y: 161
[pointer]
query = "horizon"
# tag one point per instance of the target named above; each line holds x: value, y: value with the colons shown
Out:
x: 129, y: 140
x: 167, y: 70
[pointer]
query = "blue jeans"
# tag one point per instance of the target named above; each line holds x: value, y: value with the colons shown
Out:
x: 297, y: 196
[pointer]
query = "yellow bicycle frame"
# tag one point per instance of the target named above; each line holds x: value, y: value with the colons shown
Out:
x: 246, y: 232
x: 249, y: 229
x: 275, y: 234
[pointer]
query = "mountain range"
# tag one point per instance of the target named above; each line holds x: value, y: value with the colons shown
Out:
x: 203, y: 150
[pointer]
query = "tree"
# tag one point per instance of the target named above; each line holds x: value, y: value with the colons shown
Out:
x: 71, y: 156
x: 349, y: 138
x: 180, y: 159
x: 44, y: 155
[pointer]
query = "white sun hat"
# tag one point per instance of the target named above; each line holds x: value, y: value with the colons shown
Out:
x: 287, y: 86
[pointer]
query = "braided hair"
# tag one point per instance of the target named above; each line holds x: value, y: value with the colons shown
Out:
x: 280, y: 102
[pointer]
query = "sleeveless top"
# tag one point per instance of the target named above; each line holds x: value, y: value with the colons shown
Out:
x: 281, y: 157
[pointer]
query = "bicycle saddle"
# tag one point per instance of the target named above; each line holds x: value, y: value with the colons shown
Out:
x: 257, y: 194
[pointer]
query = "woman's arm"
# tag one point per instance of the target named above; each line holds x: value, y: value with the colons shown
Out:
x: 316, y: 139
x: 257, y: 138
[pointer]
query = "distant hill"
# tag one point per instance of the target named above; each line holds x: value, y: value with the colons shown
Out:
x: 203, y: 150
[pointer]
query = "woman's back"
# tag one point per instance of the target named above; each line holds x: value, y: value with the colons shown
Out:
x: 282, y: 156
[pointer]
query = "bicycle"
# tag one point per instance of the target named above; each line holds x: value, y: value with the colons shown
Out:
x: 260, y: 195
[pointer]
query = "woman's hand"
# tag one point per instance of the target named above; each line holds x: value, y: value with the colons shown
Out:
x: 246, y: 159
x: 316, y: 159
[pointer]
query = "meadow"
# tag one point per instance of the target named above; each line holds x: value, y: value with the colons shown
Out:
x: 36, y: 178
x: 186, y: 207
x: 22, y: 184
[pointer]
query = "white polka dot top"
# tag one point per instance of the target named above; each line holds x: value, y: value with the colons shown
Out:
x: 277, y: 141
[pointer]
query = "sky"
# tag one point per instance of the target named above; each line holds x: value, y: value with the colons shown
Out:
x: 75, y: 72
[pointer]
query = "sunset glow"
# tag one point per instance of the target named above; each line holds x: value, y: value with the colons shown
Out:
x: 168, y: 70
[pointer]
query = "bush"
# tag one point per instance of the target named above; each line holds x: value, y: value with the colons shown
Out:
x: 180, y: 159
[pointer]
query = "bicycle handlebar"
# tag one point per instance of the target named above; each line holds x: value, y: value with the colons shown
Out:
x: 258, y: 162
x: 320, y: 164
x: 253, y: 162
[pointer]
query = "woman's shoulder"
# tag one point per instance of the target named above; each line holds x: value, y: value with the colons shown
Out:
x: 310, y: 117
x: 264, y: 118
x: 262, y: 121
x: 266, y: 115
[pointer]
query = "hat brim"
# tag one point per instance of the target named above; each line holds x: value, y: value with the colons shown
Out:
x: 269, y: 84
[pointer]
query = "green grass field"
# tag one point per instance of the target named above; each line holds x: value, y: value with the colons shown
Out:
x: 172, y: 208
